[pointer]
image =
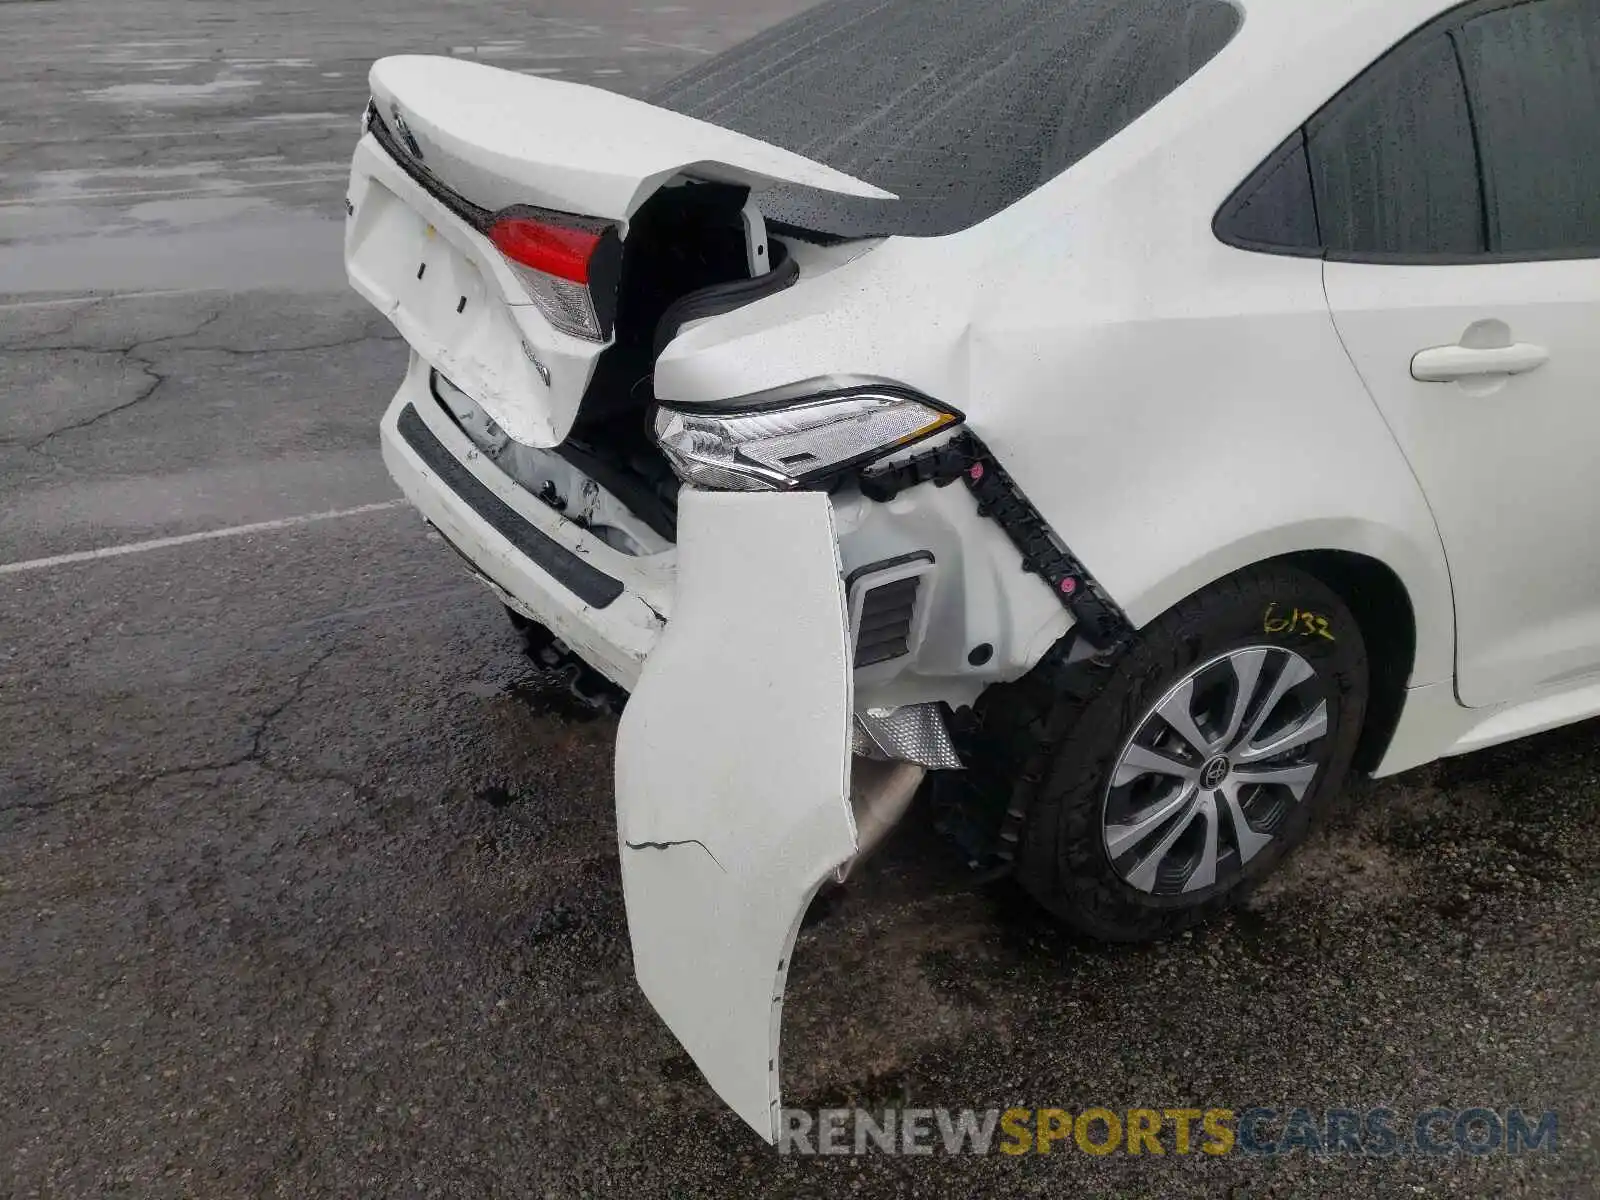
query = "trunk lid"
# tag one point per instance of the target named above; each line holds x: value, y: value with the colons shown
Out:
x: 452, y: 144
x: 501, y: 138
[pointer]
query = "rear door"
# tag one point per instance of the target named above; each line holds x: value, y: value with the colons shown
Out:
x: 1457, y: 187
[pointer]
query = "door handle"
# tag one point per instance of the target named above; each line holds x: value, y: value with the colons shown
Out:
x: 1447, y: 364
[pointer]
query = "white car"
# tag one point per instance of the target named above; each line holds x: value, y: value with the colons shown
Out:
x: 1157, y: 408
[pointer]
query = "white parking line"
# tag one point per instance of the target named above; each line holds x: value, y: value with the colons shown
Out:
x: 95, y: 298
x: 183, y: 193
x: 211, y: 535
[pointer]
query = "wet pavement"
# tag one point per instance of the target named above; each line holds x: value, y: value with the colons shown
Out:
x: 308, y: 883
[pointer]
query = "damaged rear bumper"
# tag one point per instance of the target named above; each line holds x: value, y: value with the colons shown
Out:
x: 733, y: 768
x: 745, y: 777
x: 608, y: 606
x: 733, y: 778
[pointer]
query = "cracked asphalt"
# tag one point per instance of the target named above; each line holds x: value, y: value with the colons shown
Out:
x: 308, y: 881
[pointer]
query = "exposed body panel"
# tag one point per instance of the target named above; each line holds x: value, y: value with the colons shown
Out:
x: 1176, y: 408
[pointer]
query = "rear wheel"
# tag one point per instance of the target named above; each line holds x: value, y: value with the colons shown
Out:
x: 1198, y: 763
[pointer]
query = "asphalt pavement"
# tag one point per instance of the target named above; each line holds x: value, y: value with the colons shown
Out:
x: 308, y: 880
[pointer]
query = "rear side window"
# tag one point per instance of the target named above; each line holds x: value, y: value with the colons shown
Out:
x: 1392, y: 164
x: 1534, y: 75
x: 1275, y: 210
x: 959, y: 107
x: 1476, y: 137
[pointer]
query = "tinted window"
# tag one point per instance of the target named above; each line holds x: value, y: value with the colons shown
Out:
x: 1534, y: 76
x: 1393, y: 168
x: 959, y: 107
x: 1274, y: 209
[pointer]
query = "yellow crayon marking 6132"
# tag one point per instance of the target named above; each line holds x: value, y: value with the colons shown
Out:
x: 1309, y: 624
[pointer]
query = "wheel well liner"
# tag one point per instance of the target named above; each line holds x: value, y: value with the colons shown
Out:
x: 1382, y: 608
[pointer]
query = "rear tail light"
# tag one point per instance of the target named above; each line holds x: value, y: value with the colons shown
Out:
x: 798, y: 443
x: 568, y: 265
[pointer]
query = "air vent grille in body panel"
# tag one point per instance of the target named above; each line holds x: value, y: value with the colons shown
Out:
x: 886, y: 607
x: 887, y: 612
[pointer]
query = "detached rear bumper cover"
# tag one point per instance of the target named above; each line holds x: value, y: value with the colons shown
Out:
x: 733, y: 764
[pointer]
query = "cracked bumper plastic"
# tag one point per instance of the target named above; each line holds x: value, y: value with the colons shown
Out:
x: 733, y: 778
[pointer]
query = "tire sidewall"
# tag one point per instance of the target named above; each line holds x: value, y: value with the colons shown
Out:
x: 1064, y: 862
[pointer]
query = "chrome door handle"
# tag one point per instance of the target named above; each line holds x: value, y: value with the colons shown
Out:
x: 1447, y: 364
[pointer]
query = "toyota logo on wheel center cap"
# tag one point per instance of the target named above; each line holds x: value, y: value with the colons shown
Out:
x: 1215, y: 771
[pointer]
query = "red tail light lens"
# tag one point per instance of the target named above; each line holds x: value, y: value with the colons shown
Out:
x: 556, y: 250
x: 569, y: 266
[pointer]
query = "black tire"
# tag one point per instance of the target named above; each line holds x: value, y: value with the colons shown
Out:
x: 1068, y: 745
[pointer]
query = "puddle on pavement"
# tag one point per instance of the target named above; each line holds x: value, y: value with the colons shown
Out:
x: 172, y: 93
x: 231, y: 243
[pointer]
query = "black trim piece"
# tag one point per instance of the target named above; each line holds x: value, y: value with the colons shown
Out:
x: 940, y: 466
x: 999, y: 499
x: 479, y: 218
x: 887, y: 614
x: 605, y: 280
x: 1492, y: 258
x: 722, y: 298
x: 887, y: 564
x: 1484, y: 231
x: 589, y: 584
x: 815, y: 237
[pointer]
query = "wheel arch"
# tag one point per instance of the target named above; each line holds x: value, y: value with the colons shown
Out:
x: 1398, y: 592
x: 1001, y: 730
x: 1404, y: 566
x: 1383, y: 611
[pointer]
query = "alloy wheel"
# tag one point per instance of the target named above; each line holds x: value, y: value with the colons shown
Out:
x: 1214, y: 769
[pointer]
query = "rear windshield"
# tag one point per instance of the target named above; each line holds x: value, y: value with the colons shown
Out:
x: 959, y: 107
